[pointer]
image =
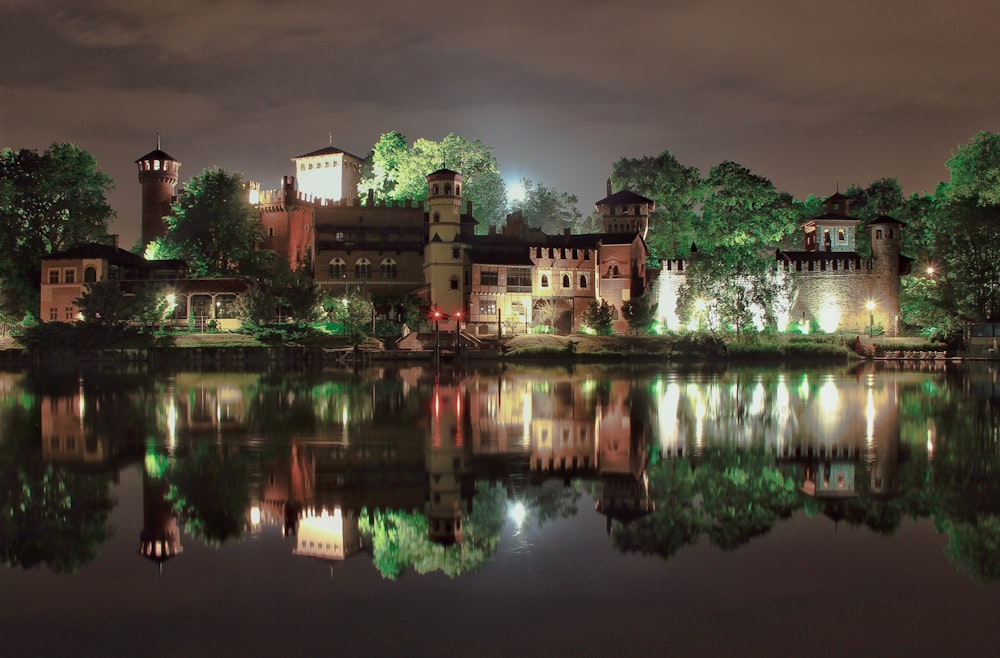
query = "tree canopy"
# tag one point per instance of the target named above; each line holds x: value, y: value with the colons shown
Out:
x: 397, y: 172
x: 675, y: 188
x: 214, y: 229
x: 49, y: 201
x: 546, y: 208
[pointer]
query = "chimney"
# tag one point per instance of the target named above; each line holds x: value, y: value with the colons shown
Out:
x: 609, y: 187
x: 114, y: 240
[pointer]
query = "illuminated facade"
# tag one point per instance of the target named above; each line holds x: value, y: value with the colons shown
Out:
x: 158, y: 175
x: 833, y: 287
x: 487, y: 283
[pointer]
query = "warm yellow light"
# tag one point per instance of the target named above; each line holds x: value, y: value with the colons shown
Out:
x: 171, y: 298
x: 930, y: 270
x: 255, y: 515
x: 700, y: 305
x: 829, y: 318
x: 870, y: 305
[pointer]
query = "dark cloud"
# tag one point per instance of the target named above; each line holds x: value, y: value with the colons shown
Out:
x: 807, y: 94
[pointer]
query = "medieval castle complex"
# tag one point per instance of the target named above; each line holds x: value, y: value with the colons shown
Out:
x: 492, y: 283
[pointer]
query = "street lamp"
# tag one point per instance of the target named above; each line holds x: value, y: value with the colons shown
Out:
x: 458, y: 327
x: 437, y: 335
x: 870, y: 305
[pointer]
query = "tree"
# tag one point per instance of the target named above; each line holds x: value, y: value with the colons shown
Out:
x: 397, y: 174
x: 214, y: 228
x: 49, y: 202
x: 640, y: 313
x: 107, y: 304
x: 546, y: 208
x: 676, y: 189
x: 353, y: 310
x: 975, y: 169
x: 969, y: 242
x: 743, y: 217
x: 598, y: 317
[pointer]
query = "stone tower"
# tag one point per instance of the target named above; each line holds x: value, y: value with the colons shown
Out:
x: 886, y: 236
x: 445, y: 250
x: 158, y: 178
x: 625, y: 212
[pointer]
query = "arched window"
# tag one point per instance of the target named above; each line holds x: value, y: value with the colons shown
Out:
x: 447, y: 188
x: 270, y: 231
x: 388, y: 268
x: 89, y: 275
x: 434, y: 189
x: 458, y: 190
x: 583, y: 280
x: 362, y: 268
x: 437, y: 217
x: 614, y: 270
x: 545, y: 280
x: 565, y: 281
x: 338, y: 269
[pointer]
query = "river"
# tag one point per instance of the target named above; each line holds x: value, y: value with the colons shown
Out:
x: 528, y: 510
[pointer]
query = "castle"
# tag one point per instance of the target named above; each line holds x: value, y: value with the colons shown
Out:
x: 499, y: 283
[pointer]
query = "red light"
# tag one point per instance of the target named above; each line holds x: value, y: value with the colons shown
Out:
x: 458, y: 315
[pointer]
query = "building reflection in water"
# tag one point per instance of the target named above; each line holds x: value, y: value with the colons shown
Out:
x: 333, y: 449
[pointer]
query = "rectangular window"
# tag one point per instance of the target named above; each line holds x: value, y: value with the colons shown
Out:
x: 69, y: 276
x: 489, y: 278
x: 841, y: 235
x: 455, y: 253
x: 586, y: 254
x: 53, y: 276
x: 519, y: 279
x: 53, y: 314
x: 69, y: 313
x: 453, y: 283
x: 487, y: 307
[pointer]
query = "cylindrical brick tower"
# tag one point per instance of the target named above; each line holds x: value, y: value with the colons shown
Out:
x: 887, y: 240
x: 158, y: 177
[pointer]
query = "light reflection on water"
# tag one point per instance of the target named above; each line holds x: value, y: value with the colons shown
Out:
x: 409, y: 471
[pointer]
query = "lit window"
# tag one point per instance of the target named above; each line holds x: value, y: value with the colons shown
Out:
x: 340, y: 236
x: 487, y: 306
x: 841, y: 235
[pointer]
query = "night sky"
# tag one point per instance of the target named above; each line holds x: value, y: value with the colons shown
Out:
x: 810, y: 97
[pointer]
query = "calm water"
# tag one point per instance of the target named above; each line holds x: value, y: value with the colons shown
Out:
x: 533, y: 511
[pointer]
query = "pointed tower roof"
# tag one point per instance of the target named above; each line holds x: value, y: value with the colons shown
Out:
x: 156, y: 154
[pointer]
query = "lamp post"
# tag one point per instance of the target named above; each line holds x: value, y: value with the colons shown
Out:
x: 437, y: 335
x: 870, y: 305
x: 458, y: 337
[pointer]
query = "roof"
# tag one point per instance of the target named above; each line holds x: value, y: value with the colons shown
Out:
x: 816, y: 255
x: 235, y: 286
x: 624, y: 198
x: 156, y: 155
x: 443, y: 172
x: 885, y: 219
x: 99, y: 251
x: 501, y: 254
x: 837, y: 197
x: 328, y: 150
x: 834, y: 217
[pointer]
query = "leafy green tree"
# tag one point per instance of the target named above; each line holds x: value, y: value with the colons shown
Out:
x: 214, y: 228
x: 107, y: 304
x: 394, y: 173
x: 969, y: 243
x: 743, y: 217
x: 599, y: 317
x: 546, y: 208
x: 354, y: 309
x: 49, y: 202
x: 975, y: 169
x: 640, y: 312
x: 675, y: 188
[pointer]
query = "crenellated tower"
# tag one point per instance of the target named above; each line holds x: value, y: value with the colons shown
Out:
x: 158, y: 177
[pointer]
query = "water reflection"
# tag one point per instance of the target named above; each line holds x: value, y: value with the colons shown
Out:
x: 422, y: 470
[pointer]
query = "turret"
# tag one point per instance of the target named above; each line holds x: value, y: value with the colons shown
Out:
x: 887, y: 240
x: 625, y: 212
x: 444, y: 254
x: 158, y: 178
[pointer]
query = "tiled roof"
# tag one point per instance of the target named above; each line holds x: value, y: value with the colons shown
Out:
x: 885, y: 219
x: 624, y: 198
x: 155, y: 155
x: 96, y: 250
x: 329, y: 150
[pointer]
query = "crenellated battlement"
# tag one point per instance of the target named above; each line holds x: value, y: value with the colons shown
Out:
x: 287, y: 194
x: 821, y: 261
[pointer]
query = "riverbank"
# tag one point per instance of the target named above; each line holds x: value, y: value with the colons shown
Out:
x: 222, y: 349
